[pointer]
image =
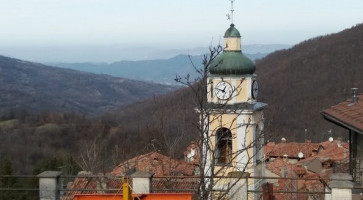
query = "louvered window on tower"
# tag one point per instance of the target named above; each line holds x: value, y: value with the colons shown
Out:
x: 223, y: 146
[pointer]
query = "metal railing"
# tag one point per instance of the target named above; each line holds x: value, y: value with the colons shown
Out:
x: 86, y: 184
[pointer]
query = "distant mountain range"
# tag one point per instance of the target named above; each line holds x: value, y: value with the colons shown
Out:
x: 163, y: 70
x: 36, y: 87
x: 254, y: 51
x: 112, y: 52
x: 159, y: 71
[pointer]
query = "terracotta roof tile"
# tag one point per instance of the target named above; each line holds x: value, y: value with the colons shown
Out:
x: 175, y: 184
x: 278, y: 166
x: 269, y: 147
x: 335, y: 151
x: 347, y: 113
x: 89, y: 181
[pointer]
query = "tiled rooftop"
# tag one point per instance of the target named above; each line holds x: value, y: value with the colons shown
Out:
x: 156, y: 163
x: 282, y: 168
x: 335, y: 150
x: 330, y: 156
x: 88, y: 183
x: 291, y: 149
x: 153, y: 162
x: 315, y: 154
x: 347, y: 114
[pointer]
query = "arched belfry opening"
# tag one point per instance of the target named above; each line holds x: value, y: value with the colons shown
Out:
x: 223, y: 150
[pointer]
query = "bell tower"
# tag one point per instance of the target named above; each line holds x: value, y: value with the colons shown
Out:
x: 235, y: 117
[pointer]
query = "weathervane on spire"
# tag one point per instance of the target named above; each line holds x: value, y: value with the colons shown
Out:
x: 230, y: 16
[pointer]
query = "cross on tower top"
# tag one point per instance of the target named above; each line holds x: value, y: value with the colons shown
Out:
x: 230, y: 16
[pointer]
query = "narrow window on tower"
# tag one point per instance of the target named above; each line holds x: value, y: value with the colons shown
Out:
x: 258, y: 145
x: 223, y: 146
x: 211, y: 90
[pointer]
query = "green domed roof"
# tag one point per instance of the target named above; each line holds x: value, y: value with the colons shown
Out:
x: 232, y: 63
x: 232, y: 32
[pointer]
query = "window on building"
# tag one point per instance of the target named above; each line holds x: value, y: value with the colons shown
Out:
x: 223, y: 146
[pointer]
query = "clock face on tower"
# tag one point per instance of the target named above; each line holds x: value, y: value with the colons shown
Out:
x: 223, y: 90
x: 254, y: 89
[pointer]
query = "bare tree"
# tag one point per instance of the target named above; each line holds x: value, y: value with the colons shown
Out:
x: 217, y: 160
x: 91, y: 157
x: 92, y: 150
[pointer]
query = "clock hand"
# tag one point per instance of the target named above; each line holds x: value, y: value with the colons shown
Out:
x: 224, y: 89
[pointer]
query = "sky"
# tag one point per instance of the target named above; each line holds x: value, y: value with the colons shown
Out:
x: 48, y: 30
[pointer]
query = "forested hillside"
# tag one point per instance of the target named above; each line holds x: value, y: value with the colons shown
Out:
x: 300, y: 82
x: 46, y: 140
x: 35, y: 87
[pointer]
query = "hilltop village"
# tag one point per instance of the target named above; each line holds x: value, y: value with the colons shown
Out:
x: 232, y: 158
x: 288, y: 126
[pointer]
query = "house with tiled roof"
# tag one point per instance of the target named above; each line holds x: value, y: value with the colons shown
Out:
x: 279, y: 167
x: 292, y: 151
x: 154, y: 163
x: 349, y: 115
x: 318, y: 161
x: 334, y: 152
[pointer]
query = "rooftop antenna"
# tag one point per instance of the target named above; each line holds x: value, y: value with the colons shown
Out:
x: 306, y: 130
x: 230, y: 16
x: 331, y: 139
x: 304, y: 150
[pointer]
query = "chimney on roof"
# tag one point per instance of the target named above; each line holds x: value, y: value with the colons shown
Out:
x: 285, y: 158
x: 283, y: 171
x: 141, y: 182
x: 339, y: 142
x: 355, y: 97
